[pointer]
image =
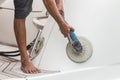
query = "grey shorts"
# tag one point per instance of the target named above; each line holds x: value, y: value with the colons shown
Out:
x: 22, y: 8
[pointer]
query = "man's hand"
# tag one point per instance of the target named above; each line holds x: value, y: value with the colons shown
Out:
x: 65, y: 29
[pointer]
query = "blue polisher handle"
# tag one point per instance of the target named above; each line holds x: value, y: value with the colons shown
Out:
x: 75, y: 42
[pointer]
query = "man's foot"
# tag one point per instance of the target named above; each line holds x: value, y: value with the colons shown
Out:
x: 29, y: 68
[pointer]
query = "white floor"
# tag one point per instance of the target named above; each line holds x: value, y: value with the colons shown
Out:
x: 98, y: 21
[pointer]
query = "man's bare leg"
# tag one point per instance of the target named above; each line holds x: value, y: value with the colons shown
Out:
x: 20, y: 33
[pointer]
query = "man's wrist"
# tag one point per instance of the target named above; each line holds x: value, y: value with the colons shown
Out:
x: 61, y: 24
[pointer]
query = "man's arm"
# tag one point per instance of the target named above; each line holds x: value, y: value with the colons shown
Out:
x: 59, y: 4
x: 52, y: 7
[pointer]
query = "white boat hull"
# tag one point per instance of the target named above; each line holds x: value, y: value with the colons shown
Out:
x: 98, y: 21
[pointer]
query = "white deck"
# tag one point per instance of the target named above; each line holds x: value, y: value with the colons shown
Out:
x: 98, y: 21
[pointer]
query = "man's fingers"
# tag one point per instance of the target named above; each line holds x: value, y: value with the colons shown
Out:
x: 72, y: 29
x: 69, y: 39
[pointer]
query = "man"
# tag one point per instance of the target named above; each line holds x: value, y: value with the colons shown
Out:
x: 22, y: 10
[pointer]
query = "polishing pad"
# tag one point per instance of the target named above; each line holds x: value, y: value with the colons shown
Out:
x: 82, y: 56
